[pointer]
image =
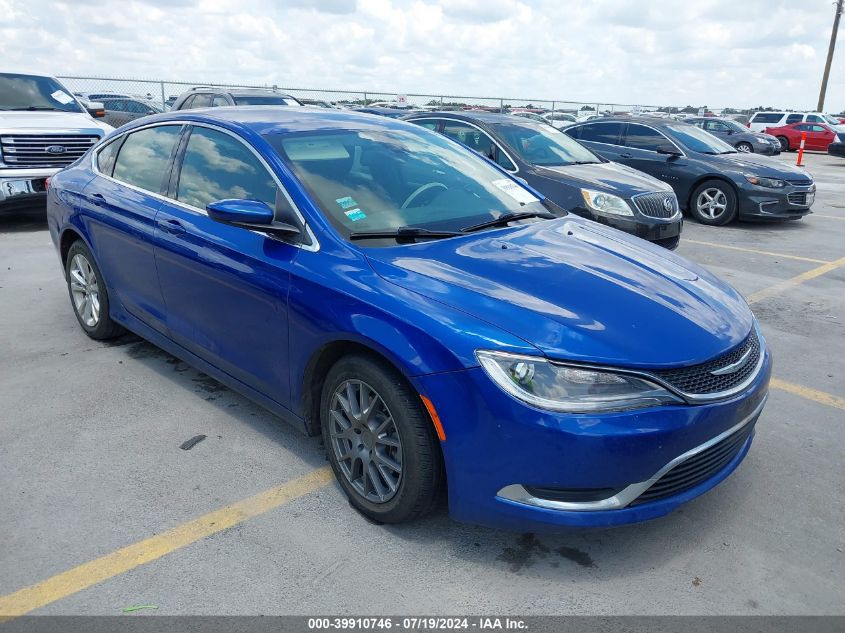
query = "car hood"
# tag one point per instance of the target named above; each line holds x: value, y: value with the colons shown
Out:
x: 612, y: 177
x: 35, y: 122
x: 761, y: 165
x: 577, y: 291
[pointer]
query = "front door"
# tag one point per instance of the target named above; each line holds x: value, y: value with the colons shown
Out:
x: 225, y: 287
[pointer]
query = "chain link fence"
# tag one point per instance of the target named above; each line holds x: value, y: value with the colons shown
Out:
x: 163, y: 93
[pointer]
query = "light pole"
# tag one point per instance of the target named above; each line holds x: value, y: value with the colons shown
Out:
x: 830, y: 54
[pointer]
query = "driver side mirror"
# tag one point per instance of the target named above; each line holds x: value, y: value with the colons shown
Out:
x: 249, y: 214
x: 730, y: 132
x: 668, y: 150
x: 96, y: 110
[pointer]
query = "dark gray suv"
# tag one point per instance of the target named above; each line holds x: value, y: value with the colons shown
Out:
x: 205, y: 97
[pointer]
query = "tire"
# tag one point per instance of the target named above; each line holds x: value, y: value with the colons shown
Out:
x: 714, y: 203
x: 744, y: 147
x: 88, y: 295
x: 784, y: 144
x: 418, y: 482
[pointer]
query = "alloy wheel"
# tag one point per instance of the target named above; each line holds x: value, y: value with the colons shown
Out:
x: 712, y: 203
x: 744, y: 147
x: 365, y: 441
x: 85, y: 290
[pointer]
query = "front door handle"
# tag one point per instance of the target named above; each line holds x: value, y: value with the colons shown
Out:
x: 625, y: 155
x: 98, y: 199
x: 171, y: 226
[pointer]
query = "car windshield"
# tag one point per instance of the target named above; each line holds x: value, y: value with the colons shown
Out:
x: 832, y: 120
x: 380, y: 179
x: 736, y: 127
x: 273, y: 100
x: 543, y: 145
x: 697, y: 140
x: 29, y: 92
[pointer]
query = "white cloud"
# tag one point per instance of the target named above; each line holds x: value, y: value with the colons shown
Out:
x: 708, y: 52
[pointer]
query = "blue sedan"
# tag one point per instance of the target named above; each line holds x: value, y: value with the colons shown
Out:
x: 440, y: 324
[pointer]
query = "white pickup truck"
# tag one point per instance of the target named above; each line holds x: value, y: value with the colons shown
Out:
x: 43, y: 128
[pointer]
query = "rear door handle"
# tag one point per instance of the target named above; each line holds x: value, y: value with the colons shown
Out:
x: 171, y: 226
x: 625, y: 155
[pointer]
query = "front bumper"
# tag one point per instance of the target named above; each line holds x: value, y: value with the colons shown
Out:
x: 23, y: 187
x: 762, y: 203
x: 494, y: 442
x: 836, y: 149
x: 665, y: 232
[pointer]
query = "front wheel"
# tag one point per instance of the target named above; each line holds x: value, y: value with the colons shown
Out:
x: 713, y: 202
x: 379, y: 441
x: 784, y: 143
x: 88, y: 294
x: 745, y: 148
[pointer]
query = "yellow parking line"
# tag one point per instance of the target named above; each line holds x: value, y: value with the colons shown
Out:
x: 821, y: 397
x: 754, y: 250
x: 786, y: 284
x: 118, y: 562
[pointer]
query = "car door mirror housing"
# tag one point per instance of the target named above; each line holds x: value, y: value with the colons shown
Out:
x: 249, y: 214
x: 96, y: 109
x: 668, y: 150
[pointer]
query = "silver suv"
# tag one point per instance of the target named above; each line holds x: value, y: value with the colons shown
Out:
x: 205, y: 97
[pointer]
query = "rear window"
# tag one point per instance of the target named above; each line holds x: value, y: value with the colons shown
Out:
x: 598, y: 132
x: 767, y: 117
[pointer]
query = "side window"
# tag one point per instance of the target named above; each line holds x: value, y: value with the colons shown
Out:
x: 430, y: 124
x: 642, y: 137
x: 794, y: 118
x: 135, y: 107
x: 189, y: 103
x: 218, y: 101
x: 218, y: 166
x: 601, y: 133
x: 110, y: 104
x: 818, y: 128
x: 503, y: 160
x: 814, y: 118
x: 105, y: 157
x: 144, y: 157
x: 803, y: 127
x: 470, y: 136
x: 201, y: 101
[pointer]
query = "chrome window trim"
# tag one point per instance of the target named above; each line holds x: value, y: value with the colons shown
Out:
x: 626, y: 123
x: 518, y: 494
x: 495, y: 142
x: 313, y: 247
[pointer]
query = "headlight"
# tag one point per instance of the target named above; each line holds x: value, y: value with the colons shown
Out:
x: 760, y: 181
x: 606, y: 202
x: 570, y: 389
x: 762, y: 139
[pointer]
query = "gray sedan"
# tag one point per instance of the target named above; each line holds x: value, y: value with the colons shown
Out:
x: 739, y: 136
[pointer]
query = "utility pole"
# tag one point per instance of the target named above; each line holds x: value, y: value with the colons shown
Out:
x: 833, y: 34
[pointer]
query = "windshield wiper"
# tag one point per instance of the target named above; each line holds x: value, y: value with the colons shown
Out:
x: 402, y: 233
x: 506, y: 218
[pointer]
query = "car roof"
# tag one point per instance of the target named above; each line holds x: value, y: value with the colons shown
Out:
x: 280, y: 119
x: 467, y: 115
x: 647, y: 120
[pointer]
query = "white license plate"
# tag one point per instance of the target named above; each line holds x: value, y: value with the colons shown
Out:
x: 17, y: 187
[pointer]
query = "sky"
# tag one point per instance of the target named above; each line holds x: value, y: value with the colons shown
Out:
x: 740, y: 53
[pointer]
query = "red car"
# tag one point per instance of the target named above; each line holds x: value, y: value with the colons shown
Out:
x: 819, y: 135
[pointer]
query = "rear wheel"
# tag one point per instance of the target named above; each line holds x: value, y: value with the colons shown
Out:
x: 745, y: 147
x: 784, y: 143
x: 379, y: 441
x: 713, y: 202
x: 88, y: 294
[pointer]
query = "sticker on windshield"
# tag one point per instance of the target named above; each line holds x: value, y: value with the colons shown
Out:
x: 62, y: 97
x: 515, y: 191
x: 346, y: 203
x: 355, y: 214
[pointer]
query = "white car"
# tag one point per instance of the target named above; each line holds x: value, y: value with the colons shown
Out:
x: 43, y: 128
x: 559, y: 119
x: 761, y: 120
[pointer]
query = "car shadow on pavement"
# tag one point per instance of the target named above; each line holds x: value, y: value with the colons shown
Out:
x: 23, y: 221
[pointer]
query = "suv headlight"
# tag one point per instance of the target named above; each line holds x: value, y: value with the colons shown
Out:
x: 760, y: 181
x: 568, y: 388
x: 606, y: 202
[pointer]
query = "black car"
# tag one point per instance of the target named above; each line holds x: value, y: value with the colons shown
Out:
x: 566, y: 172
x: 837, y: 148
x: 713, y: 181
x: 743, y: 139
x: 207, y: 97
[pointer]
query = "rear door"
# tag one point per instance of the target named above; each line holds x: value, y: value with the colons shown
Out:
x: 603, y: 137
x: 225, y: 287
x: 134, y: 172
x: 818, y: 137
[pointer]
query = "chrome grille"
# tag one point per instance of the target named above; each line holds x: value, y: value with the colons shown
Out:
x: 802, y: 182
x: 43, y: 150
x: 700, y: 379
x: 652, y: 204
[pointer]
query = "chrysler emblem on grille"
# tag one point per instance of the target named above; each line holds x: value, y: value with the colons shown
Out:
x: 734, y: 367
x: 668, y: 205
x: 55, y: 149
